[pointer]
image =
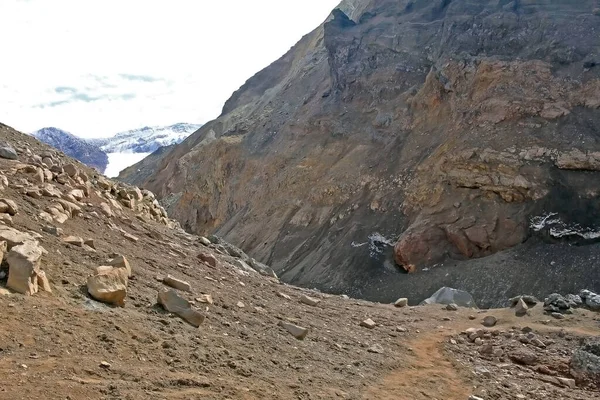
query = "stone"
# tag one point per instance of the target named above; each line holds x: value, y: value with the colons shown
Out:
x: 71, y: 208
x: 521, y: 308
x: 108, y: 285
x: 593, y: 302
x: 489, y: 321
x: 567, y: 382
x: 297, y: 331
x: 284, y: 296
x: 240, y: 304
x: 130, y: 237
x: 537, y: 343
x: 529, y: 300
x: 53, y: 230
x: 90, y: 243
x: 401, y: 302
x: 8, y: 206
x: 204, y: 241
x: 478, y: 341
x: 309, y: 301
x: 35, y: 193
x: 177, y: 283
x: 473, y: 397
x: 172, y: 302
x: 574, y: 300
x: 6, y: 218
x: 13, y: 237
x: 524, y: 357
x: 8, y: 152
x: 106, y: 210
x: 105, y: 365
x: 209, y: 259
x: 121, y: 262
x: 205, y: 298
x: 368, y: 323
x: 557, y: 315
x: 74, y: 240
x: 585, y: 363
x: 376, y: 348
x: 452, y: 307
x: 23, y: 267
x: 50, y: 190
x: 43, y: 282
x: 70, y: 169
x: 77, y: 194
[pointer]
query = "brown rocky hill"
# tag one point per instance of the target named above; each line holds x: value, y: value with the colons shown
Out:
x: 415, y: 133
x: 103, y: 297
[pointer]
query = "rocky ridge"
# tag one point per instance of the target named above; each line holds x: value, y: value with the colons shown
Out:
x: 422, y: 134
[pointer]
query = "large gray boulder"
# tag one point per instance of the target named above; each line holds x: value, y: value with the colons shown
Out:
x: 585, y: 363
x: 7, y: 151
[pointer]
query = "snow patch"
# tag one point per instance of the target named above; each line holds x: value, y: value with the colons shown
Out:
x: 377, y: 244
x: 117, y: 162
x: 560, y: 229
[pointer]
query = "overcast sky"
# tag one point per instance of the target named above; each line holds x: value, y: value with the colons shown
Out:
x: 97, y: 67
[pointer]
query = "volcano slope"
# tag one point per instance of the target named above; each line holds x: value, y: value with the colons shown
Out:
x: 414, y: 133
x: 65, y: 345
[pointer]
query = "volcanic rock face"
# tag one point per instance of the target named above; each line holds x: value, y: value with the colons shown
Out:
x: 441, y: 128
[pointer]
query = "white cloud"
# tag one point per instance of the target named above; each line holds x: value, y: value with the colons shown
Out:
x: 97, y: 67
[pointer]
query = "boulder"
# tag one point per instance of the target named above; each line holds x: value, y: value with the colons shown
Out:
x: 6, y: 218
x: 8, y: 206
x: 489, y: 321
x: 74, y: 240
x: 204, y: 241
x: 368, y: 323
x: 8, y: 152
x: 585, y: 363
x: 177, y: 283
x: 172, y: 302
x: 402, y: 302
x: 13, y: 237
x: 70, y: 169
x: 521, y: 308
x: 121, y: 262
x: 50, y: 190
x: 72, y: 208
x: 297, y: 331
x: 106, y: 210
x: 77, y: 194
x: 108, y: 285
x: 24, y: 267
x: 524, y: 357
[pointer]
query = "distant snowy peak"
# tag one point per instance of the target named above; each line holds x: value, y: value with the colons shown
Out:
x: 73, y: 146
x: 147, y: 139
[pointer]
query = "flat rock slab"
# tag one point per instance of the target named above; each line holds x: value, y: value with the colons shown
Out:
x: 309, y: 301
x: 177, y: 283
x: 176, y: 304
x: 297, y: 331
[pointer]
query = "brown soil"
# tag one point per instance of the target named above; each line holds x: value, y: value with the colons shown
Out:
x: 52, y: 346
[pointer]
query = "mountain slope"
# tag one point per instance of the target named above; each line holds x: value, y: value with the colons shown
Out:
x: 80, y: 149
x: 424, y: 134
x: 147, y: 139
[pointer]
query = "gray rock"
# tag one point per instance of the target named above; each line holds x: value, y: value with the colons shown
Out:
x: 574, y: 300
x: 8, y: 152
x: 529, y: 300
x: 557, y: 315
x: 368, y: 323
x: 452, y: 307
x: 376, y: 348
x: 585, y: 363
x: 524, y: 357
x: 521, y: 308
x: 172, y: 302
x: 489, y: 321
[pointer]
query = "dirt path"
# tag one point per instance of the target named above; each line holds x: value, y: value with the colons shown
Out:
x: 428, y: 374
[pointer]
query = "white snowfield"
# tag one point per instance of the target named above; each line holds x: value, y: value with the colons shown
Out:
x: 117, y: 162
x: 147, y: 139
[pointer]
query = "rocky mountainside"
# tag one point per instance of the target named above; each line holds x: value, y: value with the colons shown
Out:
x: 410, y: 135
x: 78, y: 148
x: 104, y: 297
x: 147, y: 139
